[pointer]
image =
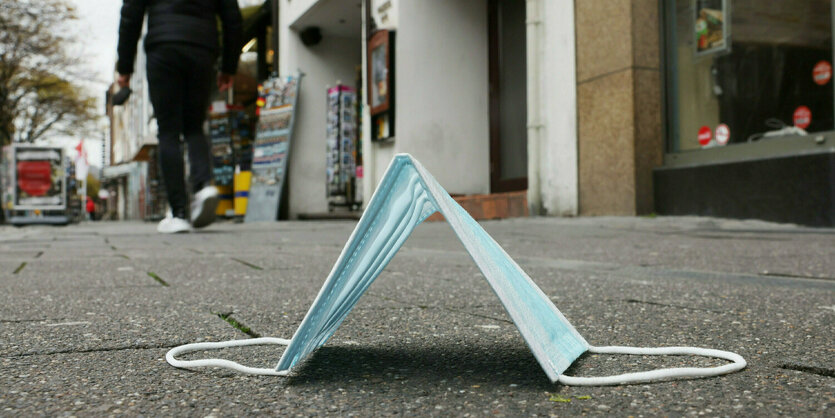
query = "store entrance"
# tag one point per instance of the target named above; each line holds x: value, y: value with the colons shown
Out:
x: 508, y: 96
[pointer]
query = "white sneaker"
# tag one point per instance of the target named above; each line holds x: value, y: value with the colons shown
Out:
x: 172, y: 225
x: 203, y: 206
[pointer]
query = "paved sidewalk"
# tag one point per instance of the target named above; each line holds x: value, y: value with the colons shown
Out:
x: 89, y: 311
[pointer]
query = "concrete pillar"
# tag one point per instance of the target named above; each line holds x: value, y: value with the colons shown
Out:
x: 619, y: 105
x: 552, y: 109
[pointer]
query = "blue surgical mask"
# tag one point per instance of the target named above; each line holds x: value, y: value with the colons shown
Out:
x: 406, y: 196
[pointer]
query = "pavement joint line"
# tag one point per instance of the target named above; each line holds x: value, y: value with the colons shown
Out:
x: 795, y: 276
x: 21, y: 321
x: 20, y: 267
x: 794, y: 231
x: 195, y: 251
x: 821, y: 371
x: 668, y: 305
x: 645, y: 271
x: 656, y: 272
x: 478, y: 315
x: 247, y: 264
x: 444, y: 308
x: 94, y: 350
x: 227, y: 316
x: 732, y: 237
x: 123, y: 256
x: 157, y: 278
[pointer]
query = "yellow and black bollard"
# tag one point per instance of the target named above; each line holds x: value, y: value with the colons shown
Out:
x: 242, y: 182
x: 224, y: 207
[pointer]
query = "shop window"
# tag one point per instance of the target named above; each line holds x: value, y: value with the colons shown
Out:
x: 743, y: 71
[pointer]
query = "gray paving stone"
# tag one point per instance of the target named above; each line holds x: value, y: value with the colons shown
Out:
x: 84, y: 328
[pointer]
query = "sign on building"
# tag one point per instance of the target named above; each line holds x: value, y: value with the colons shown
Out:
x: 39, y: 179
x: 278, y: 98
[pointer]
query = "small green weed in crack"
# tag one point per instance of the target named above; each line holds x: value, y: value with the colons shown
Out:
x: 39, y: 254
x: 557, y: 398
x: 157, y: 278
x: 247, y: 264
x: 227, y: 316
x: 20, y: 267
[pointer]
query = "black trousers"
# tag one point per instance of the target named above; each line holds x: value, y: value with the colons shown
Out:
x: 179, y: 81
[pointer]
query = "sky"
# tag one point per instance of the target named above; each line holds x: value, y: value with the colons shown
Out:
x: 98, y: 28
x: 97, y: 33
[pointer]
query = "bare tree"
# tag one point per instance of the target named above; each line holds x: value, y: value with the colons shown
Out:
x: 39, y: 73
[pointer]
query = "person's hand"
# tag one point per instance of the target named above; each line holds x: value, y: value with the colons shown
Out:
x: 224, y: 81
x: 123, y: 80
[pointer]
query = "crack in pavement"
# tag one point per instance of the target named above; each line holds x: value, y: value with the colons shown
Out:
x: 821, y: 371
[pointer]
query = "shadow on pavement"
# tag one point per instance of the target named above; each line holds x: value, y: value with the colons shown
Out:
x: 499, y: 366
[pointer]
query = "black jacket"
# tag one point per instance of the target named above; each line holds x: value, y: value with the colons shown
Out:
x: 183, y: 21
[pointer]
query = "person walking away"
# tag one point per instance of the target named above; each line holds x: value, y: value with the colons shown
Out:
x: 182, y: 47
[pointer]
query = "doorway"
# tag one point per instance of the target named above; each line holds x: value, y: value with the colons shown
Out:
x: 508, y: 96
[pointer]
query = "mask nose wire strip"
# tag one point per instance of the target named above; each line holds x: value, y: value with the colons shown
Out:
x: 170, y: 356
x: 679, y: 372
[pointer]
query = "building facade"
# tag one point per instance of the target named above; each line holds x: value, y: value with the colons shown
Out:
x: 466, y: 94
x: 596, y: 107
x: 683, y: 107
x: 131, y: 179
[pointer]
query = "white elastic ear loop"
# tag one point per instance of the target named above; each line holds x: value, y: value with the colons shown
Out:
x: 738, y: 364
x: 226, y: 364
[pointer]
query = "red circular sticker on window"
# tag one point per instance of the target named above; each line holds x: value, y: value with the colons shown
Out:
x: 822, y: 73
x: 802, y: 117
x: 723, y: 134
x: 704, y: 135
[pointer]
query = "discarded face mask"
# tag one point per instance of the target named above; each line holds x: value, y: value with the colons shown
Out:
x: 407, y: 195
